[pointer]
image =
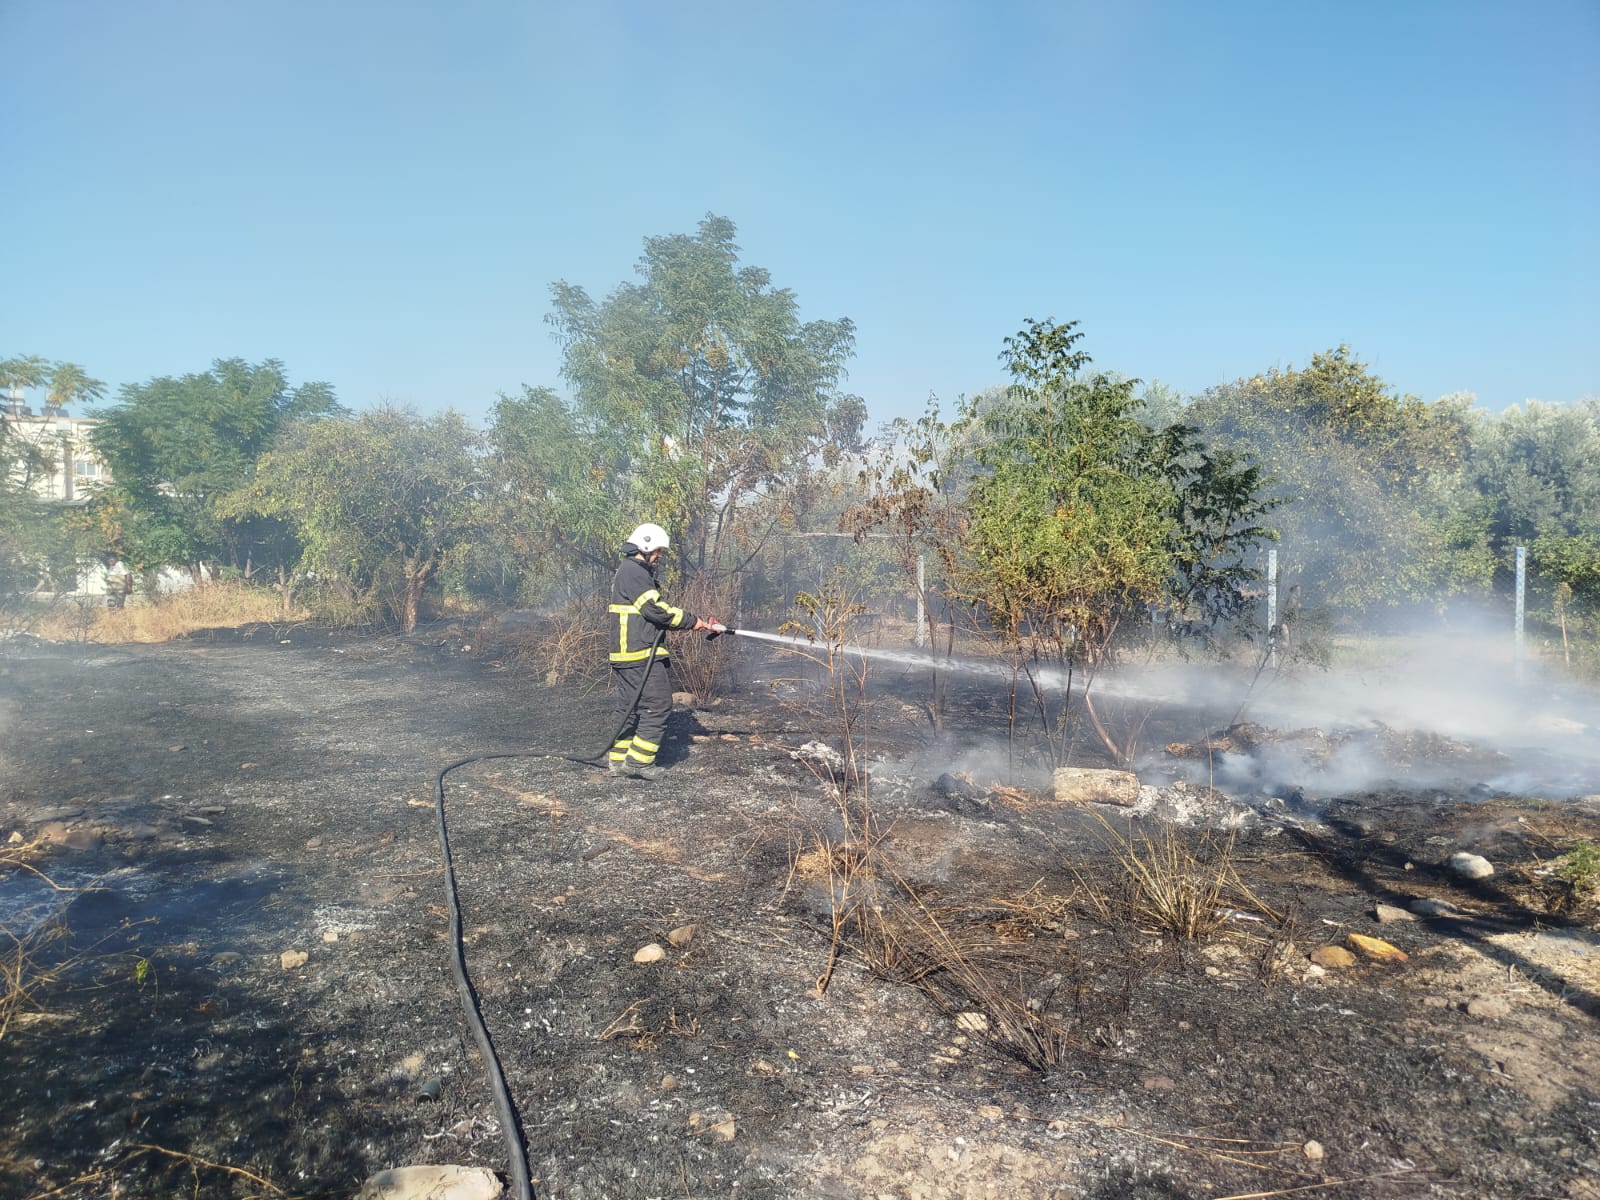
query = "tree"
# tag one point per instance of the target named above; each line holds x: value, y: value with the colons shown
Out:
x: 707, y: 382
x: 1361, y: 471
x: 1535, y: 475
x: 177, y: 446
x: 1057, y: 513
x: 71, y: 384
x: 556, y: 489
x: 380, y: 502
x: 24, y: 371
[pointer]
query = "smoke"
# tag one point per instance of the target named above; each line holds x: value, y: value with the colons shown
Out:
x: 1441, y: 710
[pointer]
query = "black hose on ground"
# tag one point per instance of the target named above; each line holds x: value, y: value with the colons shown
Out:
x: 510, y: 1125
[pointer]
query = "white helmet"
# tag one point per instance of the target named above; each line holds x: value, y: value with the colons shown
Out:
x: 648, y: 537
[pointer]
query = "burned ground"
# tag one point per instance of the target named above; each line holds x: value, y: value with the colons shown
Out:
x: 999, y: 1022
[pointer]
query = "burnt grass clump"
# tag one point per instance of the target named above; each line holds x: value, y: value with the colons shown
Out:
x: 226, y: 949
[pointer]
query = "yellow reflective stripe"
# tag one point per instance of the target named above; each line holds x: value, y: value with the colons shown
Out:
x: 640, y: 744
x: 652, y: 594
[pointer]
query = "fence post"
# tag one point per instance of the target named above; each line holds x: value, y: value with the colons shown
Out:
x: 1522, y: 583
x: 1272, y: 607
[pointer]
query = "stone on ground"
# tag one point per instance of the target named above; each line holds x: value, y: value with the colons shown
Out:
x: 1471, y: 866
x: 1089, y: 785
x: 432, y: 1183
x: 1375, y: 949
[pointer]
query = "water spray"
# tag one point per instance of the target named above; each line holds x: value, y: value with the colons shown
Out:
x: 1049, y: 676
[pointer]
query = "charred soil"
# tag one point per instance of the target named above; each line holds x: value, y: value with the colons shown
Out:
x: 245, y: 989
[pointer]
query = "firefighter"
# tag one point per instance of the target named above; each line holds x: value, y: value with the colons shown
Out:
x: 641, y: 615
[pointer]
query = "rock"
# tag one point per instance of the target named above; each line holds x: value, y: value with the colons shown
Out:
x: 1470, y: 866
x: 1388, y: 914
x: 1088, y: 785
x: 141, y: 833
x: 652, y: 953
x: 1375, y: 949
x: 669, y: 1083
x: 293, y: 959
x: 683, y: 935
x: 432, y: 1183
x: 58, y: 814
x: 1429, y: 906
x: 1315, y: 972
x: 1157, y: 1083
x: 1488, y: 1006
x: 861, y: 1069
x: 16, y: 839
x: 684, y: 699
x: 1313, y: 1151
x: 1333, y: 958
x: 330, y: 935
x: 210, y: 810
x: 990, y: 1112
x: 196, y: 820
x: 55, y: 831
x: 976, y: 1022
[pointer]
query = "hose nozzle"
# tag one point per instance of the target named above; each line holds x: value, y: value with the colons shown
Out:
x: 717, y: 630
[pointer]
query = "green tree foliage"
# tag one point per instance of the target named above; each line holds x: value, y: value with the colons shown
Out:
x: 177, y: 446
x: 1535, y: 476
x: 1056, y: 514
x: 71, y: 384
x: 380, y: 502
x: 709, y: 385
x: 23, y: 372
x: 1068, y: 527
x: 555, y: 488
x: 1366, y: 475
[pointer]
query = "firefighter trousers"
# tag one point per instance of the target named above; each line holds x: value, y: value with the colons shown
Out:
x: 640, y: 731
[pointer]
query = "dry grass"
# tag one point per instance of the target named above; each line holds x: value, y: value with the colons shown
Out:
x: 112, y: 1178
x: 1185, y: 891
x: 567, y: 644
x: 216, y: 606
x: 23, y: 976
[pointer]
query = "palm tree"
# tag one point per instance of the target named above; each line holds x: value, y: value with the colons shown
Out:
x: 69, y: 384
x: 22, y: 372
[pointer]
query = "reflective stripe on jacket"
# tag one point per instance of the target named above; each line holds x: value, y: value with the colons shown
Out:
x: 639, y: 609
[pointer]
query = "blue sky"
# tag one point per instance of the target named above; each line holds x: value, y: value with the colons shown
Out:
x: 380, y: 193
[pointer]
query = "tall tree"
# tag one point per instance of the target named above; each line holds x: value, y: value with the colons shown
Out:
x: 24, y: 371
x: 71, y: 384
x: 1359, y: 467
x: 1535, y: 472
x: 555, y: 488
x: 380, y: 502
x: 176, y: 446
x: 711, y: 386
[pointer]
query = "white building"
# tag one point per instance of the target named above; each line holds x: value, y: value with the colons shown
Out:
x: 64, y: 466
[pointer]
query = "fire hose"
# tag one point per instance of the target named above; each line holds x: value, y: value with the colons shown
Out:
x: 510, y: 1125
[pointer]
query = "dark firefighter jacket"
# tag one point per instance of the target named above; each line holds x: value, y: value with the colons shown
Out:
x: 639, y: 610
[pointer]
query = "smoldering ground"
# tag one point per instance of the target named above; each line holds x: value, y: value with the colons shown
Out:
x: 1205, y: 1069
